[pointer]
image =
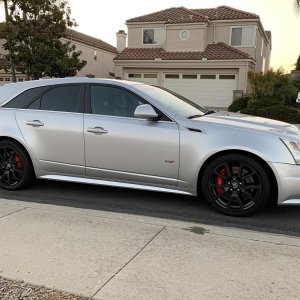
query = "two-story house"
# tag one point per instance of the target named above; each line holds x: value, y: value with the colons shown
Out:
x: 98, y: 54
x: 203, y: 54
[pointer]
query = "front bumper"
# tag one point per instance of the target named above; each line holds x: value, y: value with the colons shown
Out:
x: 288, y: 179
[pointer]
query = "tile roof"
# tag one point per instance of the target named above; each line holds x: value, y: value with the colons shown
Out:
x: 269, y: 34
x: 85, y: 39
x: 173, y: 15
x: 176, y: 15
x: 225, y: 13
x: 219, y: 51
x: 89, y: 40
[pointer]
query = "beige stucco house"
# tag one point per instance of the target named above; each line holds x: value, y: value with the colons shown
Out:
x: 203, y: 54
x: 98, y: 54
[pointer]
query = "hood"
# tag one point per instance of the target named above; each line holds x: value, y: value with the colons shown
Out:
x: 249, y: 123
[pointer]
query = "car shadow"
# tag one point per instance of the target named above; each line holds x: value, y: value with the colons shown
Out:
x: 282, y: 220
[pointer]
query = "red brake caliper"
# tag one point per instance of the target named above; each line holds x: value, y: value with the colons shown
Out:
x: 220, y: 181
x: 19, y: 164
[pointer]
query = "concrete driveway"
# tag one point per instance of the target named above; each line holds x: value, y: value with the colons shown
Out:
x: 109, y: 255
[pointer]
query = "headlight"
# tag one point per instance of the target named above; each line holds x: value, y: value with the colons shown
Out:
x: 294, y: 148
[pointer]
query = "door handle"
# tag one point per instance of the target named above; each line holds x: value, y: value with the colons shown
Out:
x: 97, y: 130
x: 35, y: 123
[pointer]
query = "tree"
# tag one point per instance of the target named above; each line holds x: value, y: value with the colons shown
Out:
x: 298, y: 64
x: 297, y: 6
x: 34, y: 36
x: 6, y: 3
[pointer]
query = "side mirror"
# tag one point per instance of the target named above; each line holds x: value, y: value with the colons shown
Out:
x: 298, y: 98
x: 145, y: 111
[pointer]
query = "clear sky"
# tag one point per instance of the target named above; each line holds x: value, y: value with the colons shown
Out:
x: 103, y: 18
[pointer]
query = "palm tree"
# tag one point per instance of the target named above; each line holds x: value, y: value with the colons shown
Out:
x: 6, y: 4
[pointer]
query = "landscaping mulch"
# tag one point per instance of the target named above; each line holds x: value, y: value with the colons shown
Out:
x: 19, y: 290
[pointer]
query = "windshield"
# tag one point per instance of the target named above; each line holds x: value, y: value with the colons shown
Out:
x: 172, y: 101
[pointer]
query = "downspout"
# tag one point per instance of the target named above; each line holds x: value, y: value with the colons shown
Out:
x: 214, y: 33
x: 246, y: 81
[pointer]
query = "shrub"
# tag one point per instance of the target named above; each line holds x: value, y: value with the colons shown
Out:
x: 239, y: 104
x: 262, y: 103
x: 266, y: 84
x: 278, y: 112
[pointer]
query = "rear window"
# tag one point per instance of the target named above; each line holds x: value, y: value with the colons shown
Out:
x: 25, y: 98
x: 64, y: 98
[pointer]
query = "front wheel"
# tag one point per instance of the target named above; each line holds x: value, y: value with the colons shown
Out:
x: 16, y: 171
x: 236, y: 184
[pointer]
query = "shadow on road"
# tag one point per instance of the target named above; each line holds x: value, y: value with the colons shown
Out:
x: 284, y: 220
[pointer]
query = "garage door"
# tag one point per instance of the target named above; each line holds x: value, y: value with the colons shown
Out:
x: 149, y: 78
x: 215, y: 90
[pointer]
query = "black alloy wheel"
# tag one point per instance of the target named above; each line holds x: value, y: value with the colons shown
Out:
x: 16, y: 170
x: 236, y: 185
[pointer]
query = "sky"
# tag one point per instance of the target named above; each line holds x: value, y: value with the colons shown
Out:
x: 102, y: 19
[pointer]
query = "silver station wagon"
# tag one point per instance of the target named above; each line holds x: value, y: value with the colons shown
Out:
x: 133, y: 135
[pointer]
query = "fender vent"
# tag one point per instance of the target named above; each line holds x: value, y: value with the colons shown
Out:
x: 194, y: 129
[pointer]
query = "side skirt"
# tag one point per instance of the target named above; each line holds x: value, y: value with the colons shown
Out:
x: 114, y: 184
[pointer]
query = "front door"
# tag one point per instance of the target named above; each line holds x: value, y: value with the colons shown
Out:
x: 120, y: 147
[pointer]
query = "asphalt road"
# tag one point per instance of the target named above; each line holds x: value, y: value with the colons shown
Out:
x: 285, y: 220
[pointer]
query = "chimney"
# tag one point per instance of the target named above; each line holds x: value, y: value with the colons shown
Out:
x: 121, y: 40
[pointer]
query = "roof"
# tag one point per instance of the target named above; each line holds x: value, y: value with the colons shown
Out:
x: 225, y: 13
x: 177, y: 15
x: 269, y: 34
x: 171, y: 15
x: 89, y: 40
x: 219, y: 51
x: 85, y: 39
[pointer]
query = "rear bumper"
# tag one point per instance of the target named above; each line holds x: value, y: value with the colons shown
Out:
x: 288, y: 179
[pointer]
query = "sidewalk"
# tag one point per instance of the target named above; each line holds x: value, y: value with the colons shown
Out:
x: 118, y: 256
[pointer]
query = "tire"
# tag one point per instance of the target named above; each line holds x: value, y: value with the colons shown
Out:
x: 236, y: 185
x: 16, y: 170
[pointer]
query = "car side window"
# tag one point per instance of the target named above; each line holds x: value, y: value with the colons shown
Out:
x: 25, y: 98
x: 60, y: 98
x: 113, y: 101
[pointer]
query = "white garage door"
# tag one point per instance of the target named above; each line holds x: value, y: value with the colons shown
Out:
x: 213, y: 90
x: 149, y: 78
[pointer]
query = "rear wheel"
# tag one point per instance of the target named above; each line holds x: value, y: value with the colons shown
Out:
x: 236, y: 184
x: 16, y: 171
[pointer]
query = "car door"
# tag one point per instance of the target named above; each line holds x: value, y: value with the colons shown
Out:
x: 120, y: 147
x: 52, y: 126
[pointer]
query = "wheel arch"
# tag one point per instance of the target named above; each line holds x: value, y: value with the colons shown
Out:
x: 10, y: 139
x: 266, y: 166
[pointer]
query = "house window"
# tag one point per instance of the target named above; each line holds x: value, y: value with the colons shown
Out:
x: 208, y: 77
x: 263, y: 64
x: 154, y: 36
x: 95, y: 55
x: 7, y: 79
x: 172, y: 76
x: 134, y: 75
x: 150, y: 75
x: 243, y: 36
x: 262, y: 47
x: 227, y: 77
x: 187, y: 76
x: 1, y: 79
x: 184, y: 35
